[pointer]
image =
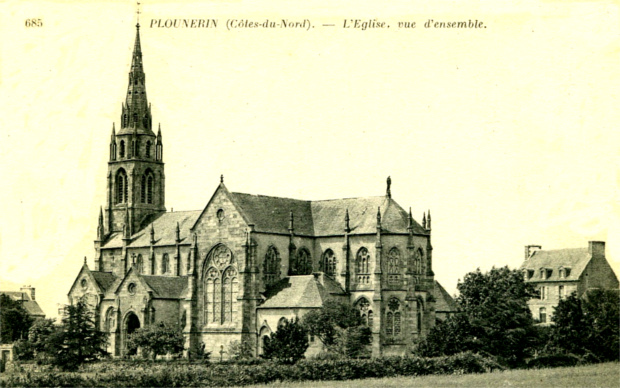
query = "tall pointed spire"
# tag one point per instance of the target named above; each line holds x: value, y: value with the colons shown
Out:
x: 136, y: 112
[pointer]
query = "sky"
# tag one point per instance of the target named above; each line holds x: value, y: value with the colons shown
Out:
x: 508, y: 133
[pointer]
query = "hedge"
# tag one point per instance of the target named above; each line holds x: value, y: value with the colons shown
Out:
x: 215, y: 375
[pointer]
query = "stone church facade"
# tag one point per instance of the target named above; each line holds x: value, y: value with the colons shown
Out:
x: 233, y: 270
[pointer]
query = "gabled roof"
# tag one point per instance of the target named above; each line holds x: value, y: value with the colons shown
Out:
x: 167, y: 287
x: 104, y: 279
x: 576, y: 259
x: 164, y: 226
x: 31, y: 306
x: 324, y: 218
x: 443, y: 301
x: 305, y: 291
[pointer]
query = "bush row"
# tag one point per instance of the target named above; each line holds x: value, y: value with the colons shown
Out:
x: 175, y: 375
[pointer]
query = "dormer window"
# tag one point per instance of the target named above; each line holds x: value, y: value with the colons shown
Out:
x: 562, y: 273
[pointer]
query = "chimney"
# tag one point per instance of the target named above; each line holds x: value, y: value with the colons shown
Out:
x: 596, y: 249
x: 29, y: 290
x: 530, y: 250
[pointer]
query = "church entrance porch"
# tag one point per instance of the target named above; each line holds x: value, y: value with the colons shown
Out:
x: 132, y: 323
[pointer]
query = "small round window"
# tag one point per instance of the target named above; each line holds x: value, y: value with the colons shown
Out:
x: 84, y: 284
x: 220, y: 214
x: 131, y: 288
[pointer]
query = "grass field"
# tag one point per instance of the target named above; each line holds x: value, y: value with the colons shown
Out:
x: 598, y: 375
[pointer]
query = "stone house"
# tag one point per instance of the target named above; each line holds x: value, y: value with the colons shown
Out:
x: 558, y: 273
x: 26, y: 296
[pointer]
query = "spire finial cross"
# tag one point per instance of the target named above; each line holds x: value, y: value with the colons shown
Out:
x: 138, y: 12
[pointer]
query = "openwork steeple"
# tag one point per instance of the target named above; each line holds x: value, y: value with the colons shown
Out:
x: 136, y: 112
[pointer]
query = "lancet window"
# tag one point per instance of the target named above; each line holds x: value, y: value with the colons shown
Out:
x: 363, y: 266
x: 393, y: 319
x: 121, y: 186
x: 329, y: 262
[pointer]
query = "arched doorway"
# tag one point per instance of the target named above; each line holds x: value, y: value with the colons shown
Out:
x: 132, y: 323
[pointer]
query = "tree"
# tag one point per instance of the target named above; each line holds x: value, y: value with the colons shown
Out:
x: 39, y: 332
x: 494, y: 318
x: 157, y: 340
x: 588, y: 325
x: 14, y: 320
x: 77, y: 340
x: 339, y: 326
x: 288, y: 344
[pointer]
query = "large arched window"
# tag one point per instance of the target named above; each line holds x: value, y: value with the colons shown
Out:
x: 362, y: 261
x: 165, y: 264
x: 271, y: 266
x: 121, y: 186
x: 146, y: 187
x: 393, y: 318
x: 329, y: 262
x: 220, y: 287
x: 302, y: 264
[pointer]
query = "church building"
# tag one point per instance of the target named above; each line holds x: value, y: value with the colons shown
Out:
x: 235, y: 269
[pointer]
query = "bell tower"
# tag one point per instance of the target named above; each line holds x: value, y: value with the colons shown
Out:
x: 135, y: 182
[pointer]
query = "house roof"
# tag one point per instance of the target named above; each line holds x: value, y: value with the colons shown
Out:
x: 305, y: 291
x: 31, y: 306
x: 576, y: 259
x: 443, y: 301
x: 104, y: 279
x: 168, y: 287
x: 324, y: 218
x: 164, y: 226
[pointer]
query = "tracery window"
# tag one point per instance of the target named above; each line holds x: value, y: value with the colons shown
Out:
x: 220, y: 287
x: 363, y: 305
x: 302, y: 264
x: 271, y: 266
x: 121, y: 186
x: 419, y: 261
x: 363, y: 266
x: 393, y: 264
x: 329, y: 262
x: 165, y: 264
x: 393, y: 318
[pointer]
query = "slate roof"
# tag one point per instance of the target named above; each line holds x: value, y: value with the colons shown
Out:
x: 576, y: 259
x: 305, y: 291
x: 443, y: 301
x: 165, y: 230
x: 31, y: 306
x: 324, y: 218
x: 104, y: 279
x: 167, y: 287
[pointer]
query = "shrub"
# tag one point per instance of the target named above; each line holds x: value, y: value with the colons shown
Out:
x: 288, y: 344
x: 157, y: 340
